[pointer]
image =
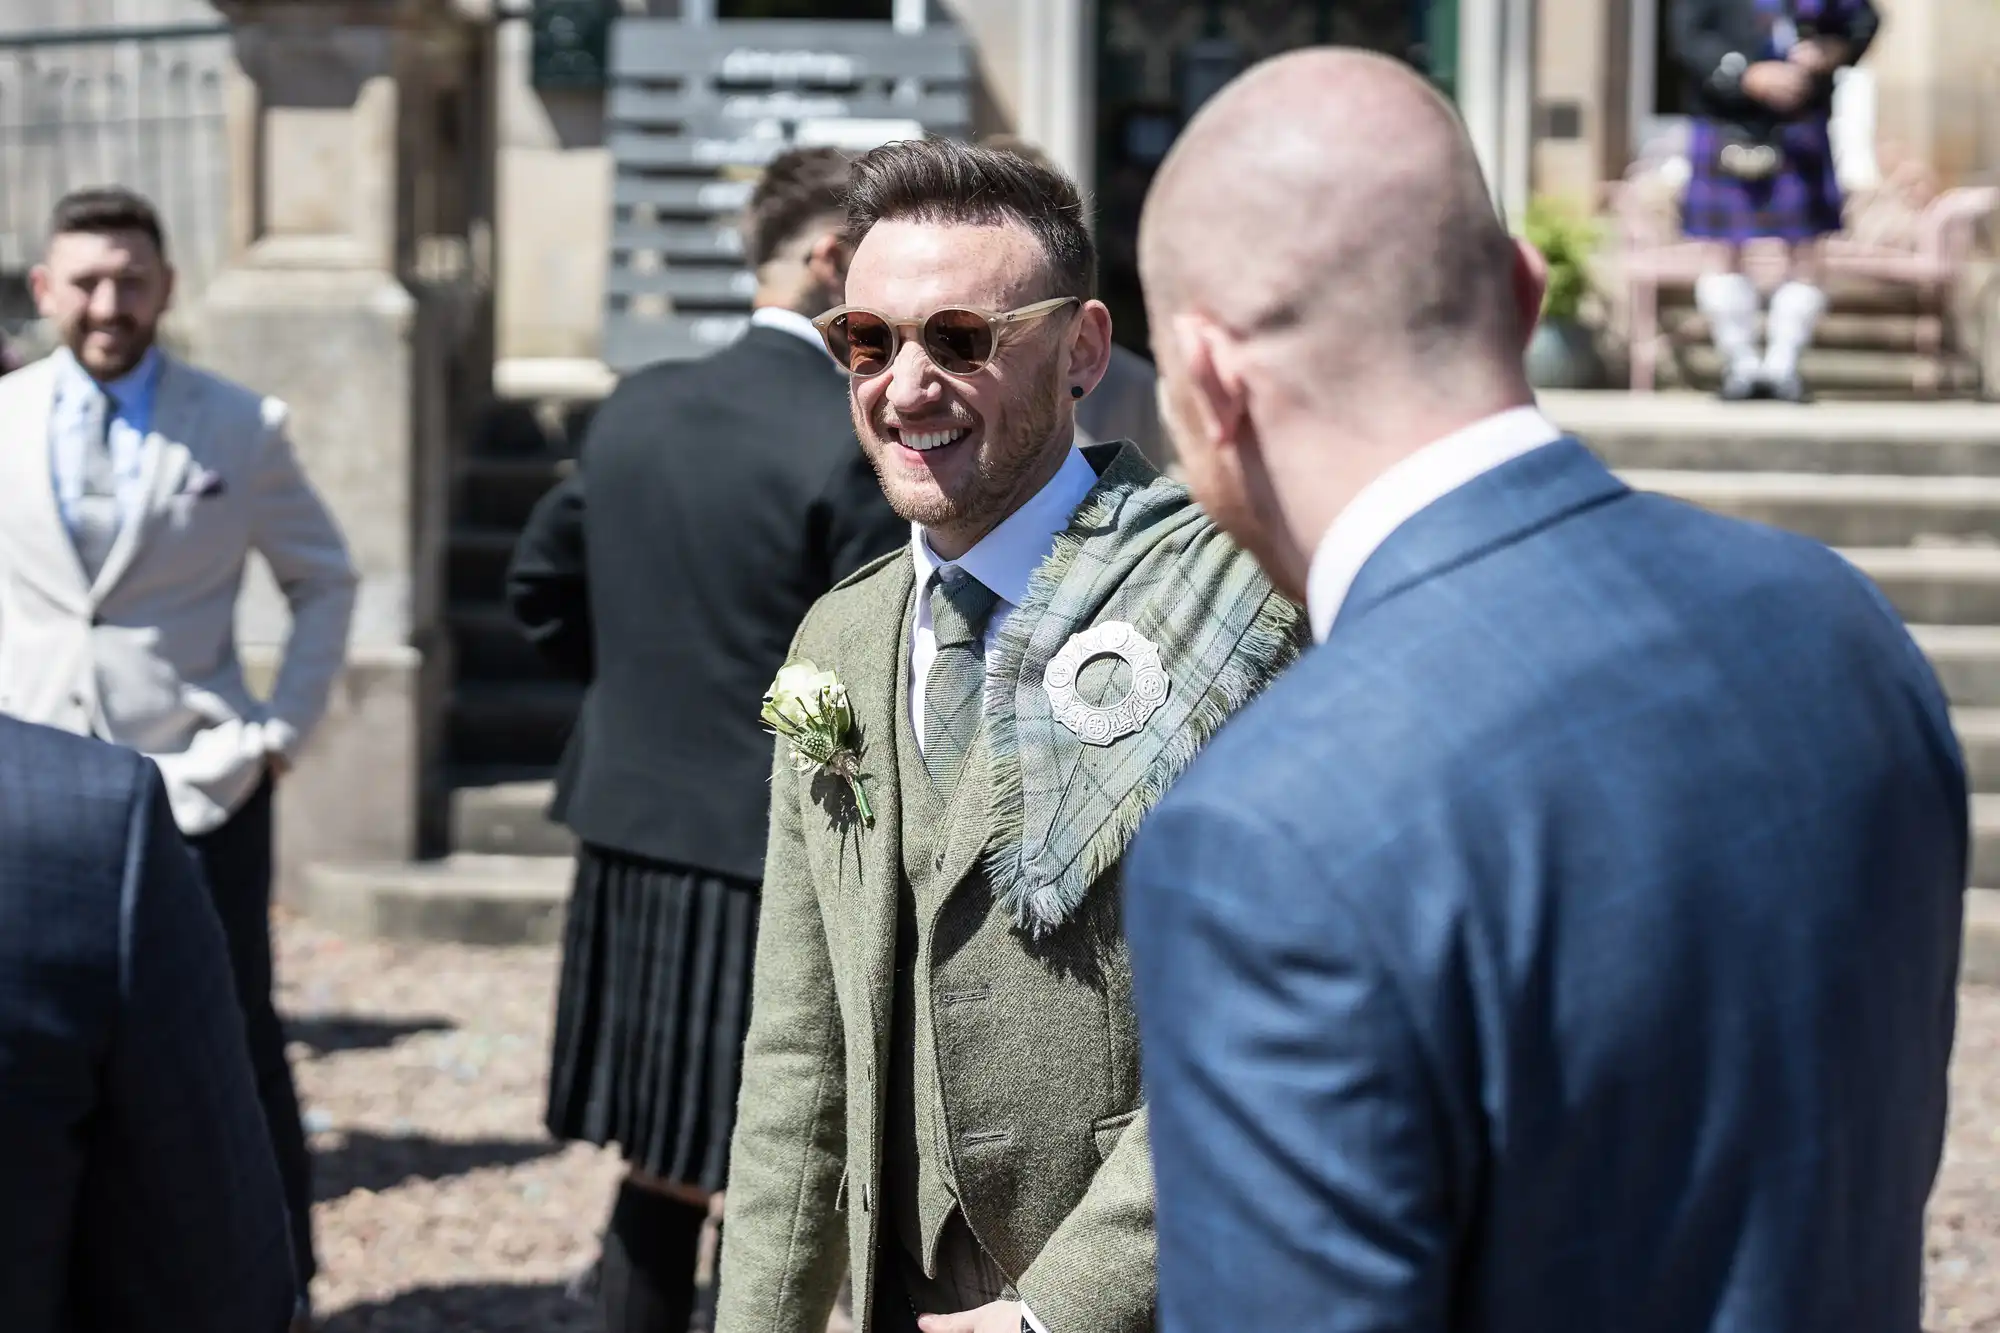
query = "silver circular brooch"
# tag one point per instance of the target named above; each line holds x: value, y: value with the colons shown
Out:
x: 1101, y: 724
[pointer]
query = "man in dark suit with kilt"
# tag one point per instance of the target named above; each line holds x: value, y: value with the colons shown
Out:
x: 715, y: 501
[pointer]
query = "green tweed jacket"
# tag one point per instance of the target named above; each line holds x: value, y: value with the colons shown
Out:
x: 1022, y: 956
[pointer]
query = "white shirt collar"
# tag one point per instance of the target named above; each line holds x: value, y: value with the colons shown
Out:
x: 1405, y: 490
x: 125, y: 389
x: 1007, y: 557
x: 789, y: 321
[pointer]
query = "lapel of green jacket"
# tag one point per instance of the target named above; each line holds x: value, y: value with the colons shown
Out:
x: 875, y: 664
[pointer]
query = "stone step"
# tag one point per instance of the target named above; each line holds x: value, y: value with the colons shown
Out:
x: 500, y: 492
x: 1967, y: 661
x: 468, y: 898
x: 1980, y: 961
x: 1979, y: 737
x: 488, y: 646
x: 1854, y: 330
x: 509, y: 819
x: 530, y: 427
x: 463, y: 898
x: 1838, y: 371
x: 1986, y: 840
x: 1937, y: 585
x: 522, y: 723
x: 1842, y: 509
x: 1695, y: 431
x: 476, y: 564
x: 1845, y: 294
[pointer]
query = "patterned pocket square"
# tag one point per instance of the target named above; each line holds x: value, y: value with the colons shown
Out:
x: 202, y: 483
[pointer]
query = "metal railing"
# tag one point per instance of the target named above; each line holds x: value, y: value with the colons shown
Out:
x: 138, y: 107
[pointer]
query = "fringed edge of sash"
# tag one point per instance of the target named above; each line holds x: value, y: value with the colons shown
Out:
x: 1268, y: 644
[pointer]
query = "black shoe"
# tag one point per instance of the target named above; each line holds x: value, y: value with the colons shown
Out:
x: 1789, y: 389
x: 1738, y: 387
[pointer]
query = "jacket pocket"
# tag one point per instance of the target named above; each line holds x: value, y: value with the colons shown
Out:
x: 1106, y: 1132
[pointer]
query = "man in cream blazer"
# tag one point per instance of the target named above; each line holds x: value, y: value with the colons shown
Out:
x: 132, y: 489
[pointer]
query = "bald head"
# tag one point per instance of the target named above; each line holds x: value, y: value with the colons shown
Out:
x: 1333, y: 194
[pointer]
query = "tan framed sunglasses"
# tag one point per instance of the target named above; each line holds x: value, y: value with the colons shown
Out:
x: 958, y: 339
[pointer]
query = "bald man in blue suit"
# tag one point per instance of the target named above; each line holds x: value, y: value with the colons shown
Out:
x: 1569, y: 941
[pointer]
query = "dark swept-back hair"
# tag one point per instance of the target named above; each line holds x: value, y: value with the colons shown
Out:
x: 107, y: 209
x: 946, y: 182
x: 797, y: 188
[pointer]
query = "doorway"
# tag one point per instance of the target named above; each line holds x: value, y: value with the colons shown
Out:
x: 1159, y: 60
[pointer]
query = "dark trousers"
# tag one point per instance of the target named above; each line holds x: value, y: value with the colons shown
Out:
x: 893, y: 1312
x: 236, y: 858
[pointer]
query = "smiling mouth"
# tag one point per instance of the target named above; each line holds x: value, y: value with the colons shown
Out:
x: 925, y: 441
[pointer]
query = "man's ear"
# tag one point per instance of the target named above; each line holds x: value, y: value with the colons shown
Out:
x: 1090, y: 347
x: 1213, y: 367
x: 1531, y: 284
x: 38, y: 287
x: 827, y: 262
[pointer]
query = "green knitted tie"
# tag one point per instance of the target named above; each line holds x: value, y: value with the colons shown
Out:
x: 960, y: 608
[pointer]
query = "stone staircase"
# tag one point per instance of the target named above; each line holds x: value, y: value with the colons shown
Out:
x: 1874, y: 342
x: 507, y: 873
x: 1909, y: 492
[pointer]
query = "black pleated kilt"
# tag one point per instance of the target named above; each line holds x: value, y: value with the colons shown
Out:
x: 651, y: 1012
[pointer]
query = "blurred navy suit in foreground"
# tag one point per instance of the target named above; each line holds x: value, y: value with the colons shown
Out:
x: 1568, y: 943
x: 138, y: 1189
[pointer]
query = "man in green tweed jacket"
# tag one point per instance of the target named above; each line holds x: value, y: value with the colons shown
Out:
x: 941, y: 1083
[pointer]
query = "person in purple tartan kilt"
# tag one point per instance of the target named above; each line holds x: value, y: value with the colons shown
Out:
x: 1760, y: 78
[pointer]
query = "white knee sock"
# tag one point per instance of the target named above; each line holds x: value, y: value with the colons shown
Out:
x: 1729, y: 302
x: 1795, y: 309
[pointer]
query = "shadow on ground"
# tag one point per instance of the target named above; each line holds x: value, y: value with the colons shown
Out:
x: 483, y: 1308
x: 329, y: 1034
x: 378, y: 1162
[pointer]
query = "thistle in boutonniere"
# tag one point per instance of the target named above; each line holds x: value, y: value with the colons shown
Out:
x: 809, y: 709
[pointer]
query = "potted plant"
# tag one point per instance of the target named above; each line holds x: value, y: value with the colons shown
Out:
x: 1562, y: 354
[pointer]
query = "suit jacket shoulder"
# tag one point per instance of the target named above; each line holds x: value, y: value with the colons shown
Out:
x: 873, y: 569
x: 27, y: 384
x: 857, y: 597
x: 227, y: 405
x: 224, y: 403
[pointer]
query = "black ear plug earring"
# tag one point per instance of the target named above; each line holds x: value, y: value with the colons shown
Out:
x: 1076, y: 391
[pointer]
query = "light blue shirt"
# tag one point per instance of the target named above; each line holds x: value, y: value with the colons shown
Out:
x: 1005, y: 560
x: 129, y: 433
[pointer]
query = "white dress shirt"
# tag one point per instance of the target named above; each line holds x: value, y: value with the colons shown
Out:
x: 1405, y: 490
x: 790, y: 321
x: 1004, y: 560
x: 128, y: 432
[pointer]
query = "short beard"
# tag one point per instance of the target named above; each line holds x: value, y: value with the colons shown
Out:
x: 994, y: 489
x: 142, y: 343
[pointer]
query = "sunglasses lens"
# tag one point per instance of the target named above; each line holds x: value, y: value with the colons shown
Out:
x: 959, y: 341
x: 862, y: 342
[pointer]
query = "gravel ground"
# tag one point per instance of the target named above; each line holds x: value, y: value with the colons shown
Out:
x: 442, y: 1204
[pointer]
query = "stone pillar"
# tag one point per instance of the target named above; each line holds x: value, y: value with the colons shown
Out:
x: 1058, y: 107
x: 356, y: 188
x: 1496, y: 82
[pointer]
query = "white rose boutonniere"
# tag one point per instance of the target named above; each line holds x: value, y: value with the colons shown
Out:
x: 809, y: 709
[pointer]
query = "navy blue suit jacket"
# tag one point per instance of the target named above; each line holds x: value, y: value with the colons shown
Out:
x: 138, y: 1190
x: 1569, y: 943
